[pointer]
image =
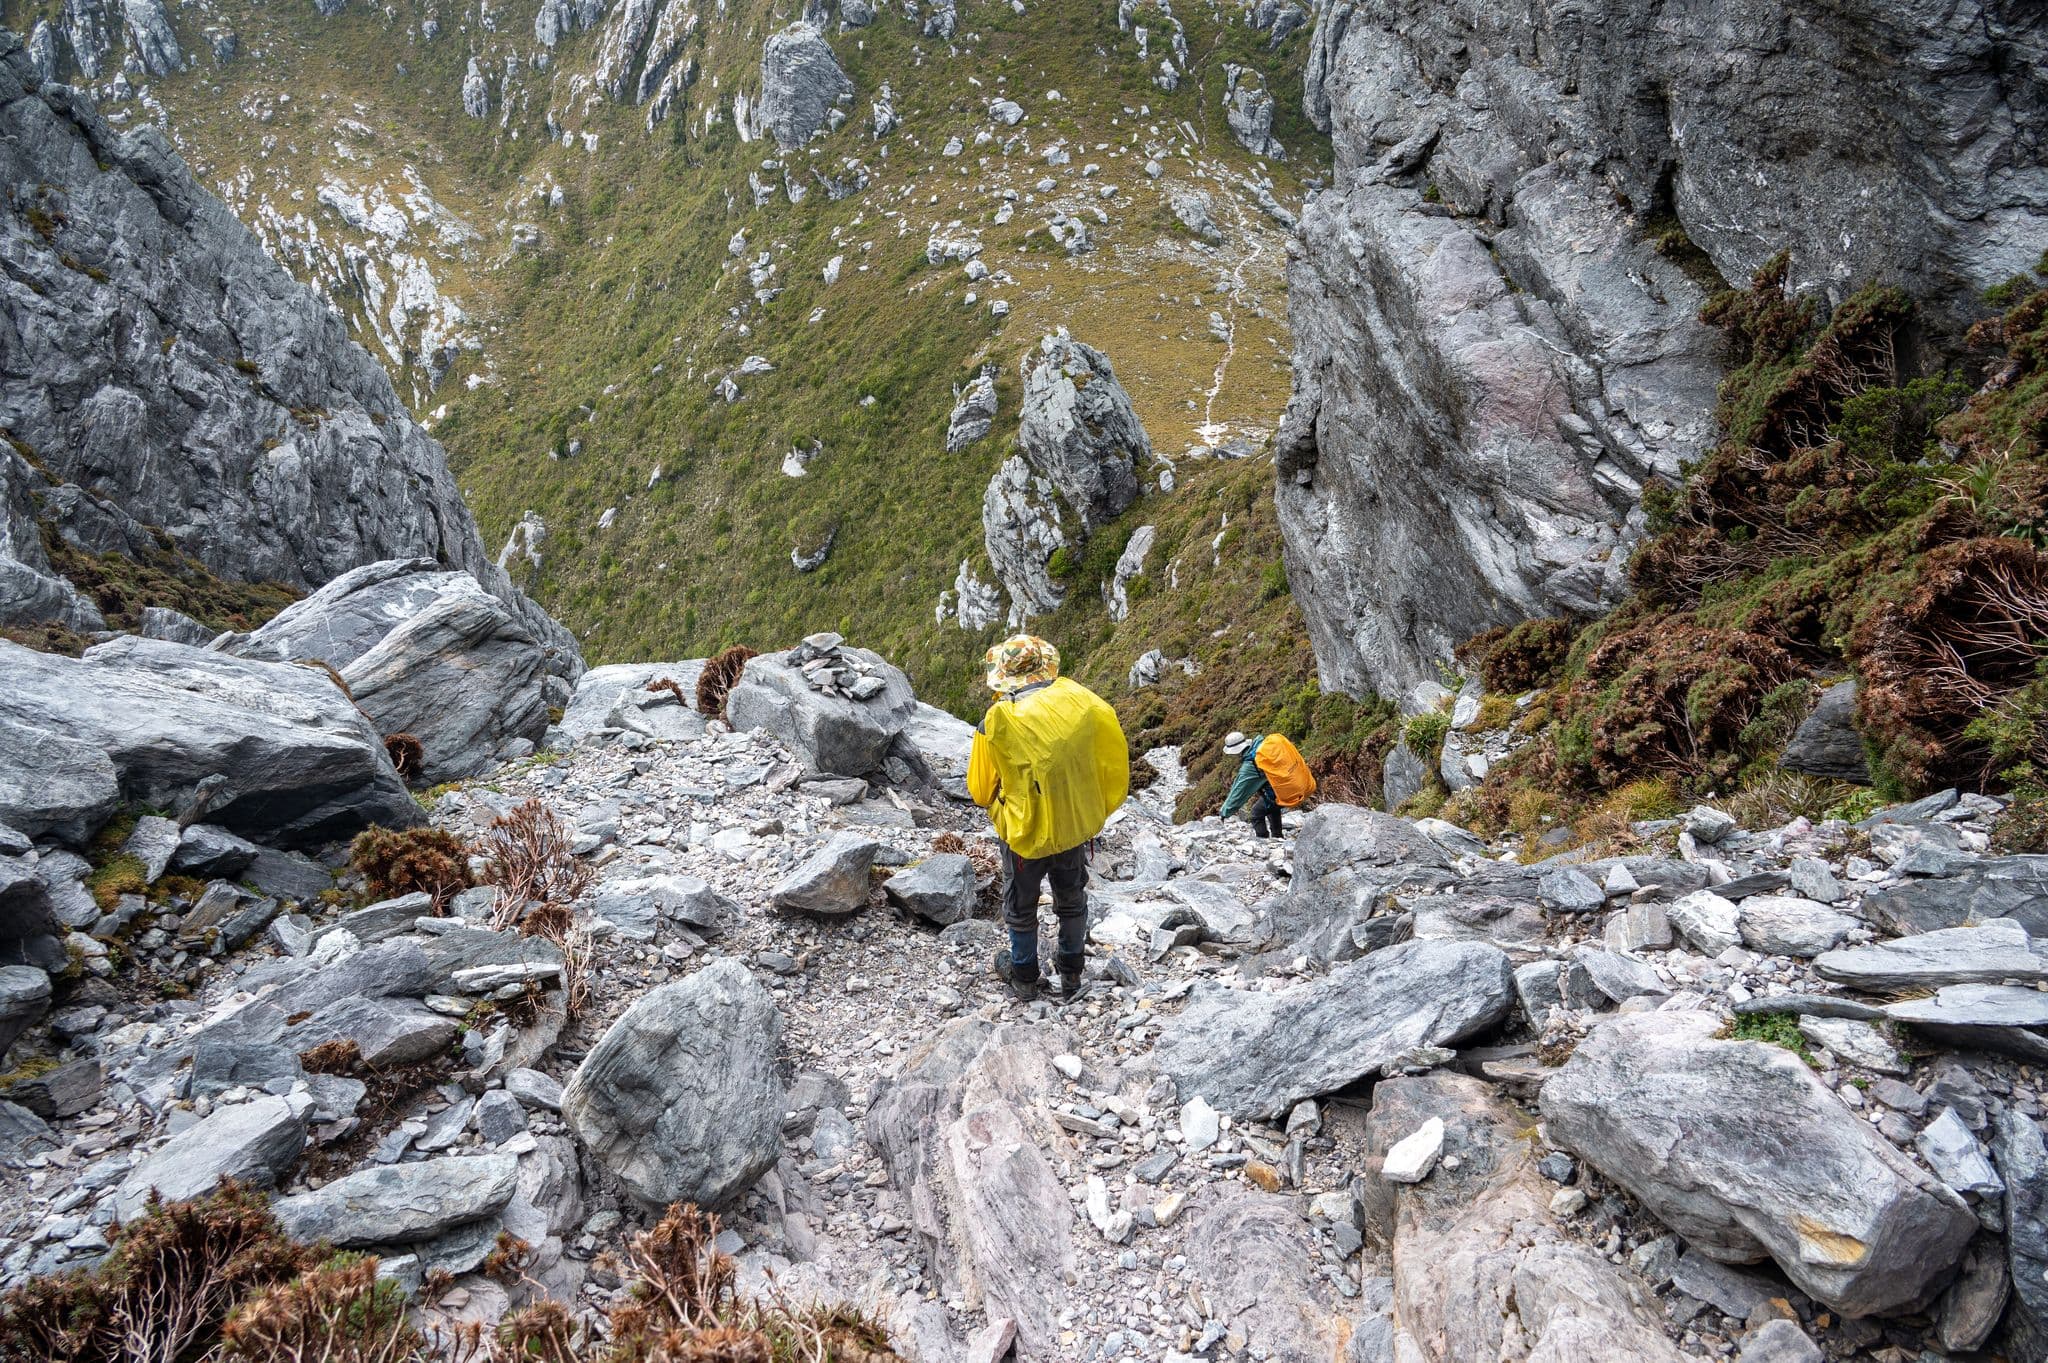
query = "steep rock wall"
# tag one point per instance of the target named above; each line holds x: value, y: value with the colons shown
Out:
x: 1491, y: 352
x: 153, y: 355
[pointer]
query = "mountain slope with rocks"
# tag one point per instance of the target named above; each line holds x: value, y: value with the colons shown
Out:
x: 784, y: 242
x: 1378, y: 1093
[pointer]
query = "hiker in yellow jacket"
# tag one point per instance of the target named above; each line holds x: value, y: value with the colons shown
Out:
x: 1050, y: 765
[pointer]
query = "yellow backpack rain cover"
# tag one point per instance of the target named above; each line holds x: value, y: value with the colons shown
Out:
x: 1064, y: 767
x: 1289, y: 776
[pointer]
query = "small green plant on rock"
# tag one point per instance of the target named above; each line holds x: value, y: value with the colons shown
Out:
x: 1778, y: 1029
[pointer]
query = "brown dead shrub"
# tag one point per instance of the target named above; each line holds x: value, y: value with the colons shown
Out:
x: 406, y: 861
x: 339, y: 1056
x: 338, y: 1312
x: 408, y: 756
x: 174, y: 1274
x: 1969, y: 634
x: 717, y: 679
x: 529, y: 859
x: 1525, y: 657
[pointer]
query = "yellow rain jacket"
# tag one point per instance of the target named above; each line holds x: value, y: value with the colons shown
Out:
x: 1050, y: 766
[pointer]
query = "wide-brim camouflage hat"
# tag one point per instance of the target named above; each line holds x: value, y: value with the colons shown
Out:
x: 1019, y: 661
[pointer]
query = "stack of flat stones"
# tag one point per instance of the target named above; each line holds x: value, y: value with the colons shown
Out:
x: 829, y: 668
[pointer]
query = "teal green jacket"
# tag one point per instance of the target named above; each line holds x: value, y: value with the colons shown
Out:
x: 1250, y: 780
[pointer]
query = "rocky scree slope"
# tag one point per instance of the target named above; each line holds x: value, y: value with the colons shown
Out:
x: 168, y: 385
x: 1495, y: 308
x: 1786, y: 1084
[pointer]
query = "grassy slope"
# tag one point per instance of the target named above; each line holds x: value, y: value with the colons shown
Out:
x: 614, y: 332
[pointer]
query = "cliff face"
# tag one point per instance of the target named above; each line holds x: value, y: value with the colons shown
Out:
x: 157, y: 367
x: 1492, y: 352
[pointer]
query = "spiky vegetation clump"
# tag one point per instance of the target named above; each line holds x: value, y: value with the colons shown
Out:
x: 717, y: 679
x: 173, y: 1276
x: 406, y: 861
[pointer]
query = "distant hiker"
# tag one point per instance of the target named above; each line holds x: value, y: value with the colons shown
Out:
x: 1050, y: 765
x: 1271, y: 776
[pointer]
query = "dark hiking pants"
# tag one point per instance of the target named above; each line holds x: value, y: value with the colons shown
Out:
x: 1022, y: 879
x: 1265, y: 815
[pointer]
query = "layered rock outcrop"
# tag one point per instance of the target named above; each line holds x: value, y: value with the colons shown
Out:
x: 1495, y: 342
x: 155, y: 355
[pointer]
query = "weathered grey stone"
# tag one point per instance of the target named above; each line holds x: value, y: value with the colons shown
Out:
x: 1956, y: 1158
x: 1853, y: 1042
x: 1779, y: 1341
x: 1784, y: 925
x: 1826, y: 742
x: 1569, y: 890
x: 221, y: 1065
x: 2008, y: 1018
x: 1077, y: 428
x: 1401, y: 776
x: 1619, y: 978
x: 376, y: 922
x: 24, y: 997
x: 400, y: 1204
x: 830, y: 734
x: 639, y: 908
x: 386, y: 1031
x: 1252, y: 1254
x: 1969, y: 1311
x: 252, y: 1143
x: 212, y: 853
x: 680, y: 1098
x: 1740, y: 1149
x: 534, y: 1089
x: 1248, y: 110
x: 801, y: 82
x: 831, y: 881
x: 1257, y: 1054
x: 1989, y: 953
x: 2022, y: 1155
x: 152, y: 841
x: 974, y: 409
x: 1481, y: 1269
x: 463, y: 676
x: 300, y: 764
x: 939, y: 889
x: 601, y: 690
x: 1711, y: 923
x: 499, y: 1116
x: 1989, y: 887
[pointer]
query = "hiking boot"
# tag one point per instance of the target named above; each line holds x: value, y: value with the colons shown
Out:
x: 1073, y: 978
x: 1023, y: 983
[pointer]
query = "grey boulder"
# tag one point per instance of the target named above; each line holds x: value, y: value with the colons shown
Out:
x: 801, y: 83
x: 680, y: 1099
x: 1989, y: 953
x: 400, y: 1204
x: 1989, y: 887
x: 1258, y: 1054
x: 974, y: 411
x: 253, y: 1143
x: 939, y: 889
x: 212, y: 853
x: 831, y: 734
x: 639, y: 908
x: 1077, y: 429
x: 1785, y: 925
x: 463, y: 676
x: 298, y: 764
x: 24, y: 997
x: 832, y: 881
x: 2012, y: 1019
x: 1827, y: 742
x: 1737, y: 1146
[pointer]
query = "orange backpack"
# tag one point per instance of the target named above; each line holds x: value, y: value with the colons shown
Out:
x: 1291, y: 779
